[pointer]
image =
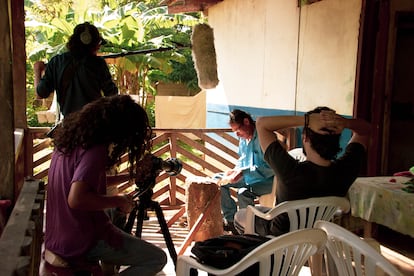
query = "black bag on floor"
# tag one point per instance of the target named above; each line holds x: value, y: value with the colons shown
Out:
x: 226, y: 250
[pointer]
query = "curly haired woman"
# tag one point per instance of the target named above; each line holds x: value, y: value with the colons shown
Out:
x: 87, y: 144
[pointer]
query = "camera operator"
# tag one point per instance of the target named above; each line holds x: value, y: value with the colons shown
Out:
x: 87, y: 145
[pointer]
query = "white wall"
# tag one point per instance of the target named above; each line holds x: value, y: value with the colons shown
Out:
x: 256, y: 43
x: 328, y: 48
x: 259, y: 42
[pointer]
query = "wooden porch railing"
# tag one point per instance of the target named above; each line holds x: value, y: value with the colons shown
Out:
x: 203, y: 152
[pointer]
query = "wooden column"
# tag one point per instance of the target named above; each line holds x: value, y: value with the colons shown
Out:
x: 6, y: 105
x: 18, y: 37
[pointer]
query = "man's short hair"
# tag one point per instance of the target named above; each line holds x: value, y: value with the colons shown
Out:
x: 326, y: 145
x: 237, y: 116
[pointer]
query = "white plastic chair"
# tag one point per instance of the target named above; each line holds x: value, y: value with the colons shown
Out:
x: 352, y: 255
x: 268, y: 200
x: 298, y: 154
x: 289, y: 252
x: 302, y: 213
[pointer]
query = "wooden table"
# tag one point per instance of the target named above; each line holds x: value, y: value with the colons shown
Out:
x: 381, y: 200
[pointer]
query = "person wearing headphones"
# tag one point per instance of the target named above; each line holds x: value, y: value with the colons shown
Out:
x: 78, y: 76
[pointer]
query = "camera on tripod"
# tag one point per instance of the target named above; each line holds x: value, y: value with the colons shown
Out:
x: 149, y: 167
x: 171, y: 166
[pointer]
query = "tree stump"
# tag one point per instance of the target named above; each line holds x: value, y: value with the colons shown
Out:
x: 201, y: 194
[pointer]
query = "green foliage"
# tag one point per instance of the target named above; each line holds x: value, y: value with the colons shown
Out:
x: 184, y: 72
x: 150, y: 109
x: 128, y: 26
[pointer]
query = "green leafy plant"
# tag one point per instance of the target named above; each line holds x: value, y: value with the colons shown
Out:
x: 162, y: 40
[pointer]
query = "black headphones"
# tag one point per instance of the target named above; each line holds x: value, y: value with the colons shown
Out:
x: 85, y: 36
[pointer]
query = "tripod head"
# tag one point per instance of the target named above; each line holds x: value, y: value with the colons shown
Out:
x: 148, y: 168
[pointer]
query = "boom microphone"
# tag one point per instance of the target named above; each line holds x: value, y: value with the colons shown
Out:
x: 204, y: 56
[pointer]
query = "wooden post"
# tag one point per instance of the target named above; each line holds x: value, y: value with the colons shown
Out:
x: 6, y: 106
x: 19, y: 63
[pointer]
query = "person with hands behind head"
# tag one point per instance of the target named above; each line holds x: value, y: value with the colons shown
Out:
x: 322, y: 174
x: 252, y: 176
x: 78, y: 76
x: 87, y: 144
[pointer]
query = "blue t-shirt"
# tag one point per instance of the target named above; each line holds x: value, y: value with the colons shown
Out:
x: 255, y: 169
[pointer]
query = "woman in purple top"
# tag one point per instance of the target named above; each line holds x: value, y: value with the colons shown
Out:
x: 87, y: 145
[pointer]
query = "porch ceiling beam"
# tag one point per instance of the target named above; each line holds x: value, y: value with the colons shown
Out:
x: 178, y: 6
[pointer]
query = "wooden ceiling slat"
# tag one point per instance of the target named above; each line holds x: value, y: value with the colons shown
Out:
x: 179, y: 6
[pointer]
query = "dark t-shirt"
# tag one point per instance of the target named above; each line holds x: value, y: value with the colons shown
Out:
x: 300, y: 180
x: 91, y: 80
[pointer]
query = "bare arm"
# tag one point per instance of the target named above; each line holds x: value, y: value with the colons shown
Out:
x: 266, y: 126
x: 360, y: 128
x: 38, y: 69
x: 82, y: 197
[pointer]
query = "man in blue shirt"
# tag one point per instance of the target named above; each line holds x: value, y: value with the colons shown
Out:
x: 252, y: 176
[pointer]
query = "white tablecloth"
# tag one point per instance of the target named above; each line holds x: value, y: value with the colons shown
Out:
x: 381, y: 200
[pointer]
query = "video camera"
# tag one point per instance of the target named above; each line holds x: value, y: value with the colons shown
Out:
x: 171, y: 166
x: 149, y: 167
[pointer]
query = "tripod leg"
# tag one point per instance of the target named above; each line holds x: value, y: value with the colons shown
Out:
x: 131, y: 219
x: 165, y: 231
x: 140, y: 219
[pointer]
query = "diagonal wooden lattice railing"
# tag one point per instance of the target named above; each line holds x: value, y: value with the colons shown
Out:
x: 203, y: 152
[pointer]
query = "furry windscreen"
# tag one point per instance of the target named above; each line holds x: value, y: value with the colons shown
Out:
x: 204, y: 56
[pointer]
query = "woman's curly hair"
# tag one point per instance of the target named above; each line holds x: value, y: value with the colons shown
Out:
x: 116, y: 120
